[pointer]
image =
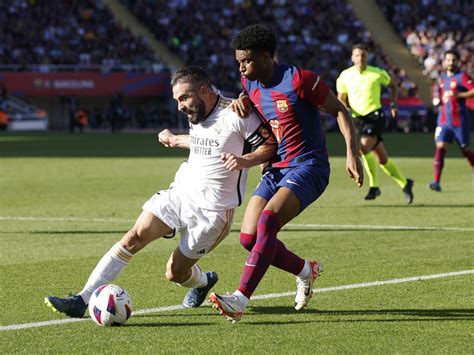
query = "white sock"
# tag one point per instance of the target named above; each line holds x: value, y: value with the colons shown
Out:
x: 108, y: 268
x: 197, y: 279
x: 242, y: 298
x: 306, y: 271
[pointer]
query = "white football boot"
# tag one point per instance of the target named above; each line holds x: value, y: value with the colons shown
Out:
x: 304, y: 287
x: 228, y: 305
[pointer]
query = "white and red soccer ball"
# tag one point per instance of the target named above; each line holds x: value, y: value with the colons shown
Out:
x: 110, y: 305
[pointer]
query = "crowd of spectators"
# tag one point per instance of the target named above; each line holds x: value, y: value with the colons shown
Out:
x: 431, y: 27
x: 73, y: 34
x: 317, y: 35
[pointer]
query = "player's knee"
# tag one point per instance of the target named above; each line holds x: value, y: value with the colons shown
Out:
x: 247, y: 240
x: 134, y: 239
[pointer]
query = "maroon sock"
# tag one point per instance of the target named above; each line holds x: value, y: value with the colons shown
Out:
x: 287, y: 260
x: 284, y: 259
x: 262, y: 253
x: 469, y: 155
x: 247, y: 240
x: 438, y: 163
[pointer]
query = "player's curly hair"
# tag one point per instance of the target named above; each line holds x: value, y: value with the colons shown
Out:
x: 191, y: 74
x: 255, y: 37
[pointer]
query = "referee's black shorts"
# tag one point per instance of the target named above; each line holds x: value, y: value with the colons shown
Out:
x: 372, y: 124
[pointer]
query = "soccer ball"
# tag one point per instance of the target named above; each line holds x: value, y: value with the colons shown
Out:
x: 110, y: 305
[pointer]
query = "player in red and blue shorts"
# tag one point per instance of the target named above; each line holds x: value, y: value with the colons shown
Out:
x: 453, y: 117
x: 289, y: 99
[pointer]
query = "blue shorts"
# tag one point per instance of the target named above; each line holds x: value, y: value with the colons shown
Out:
x: 461, y: 134
x: 308, y: 182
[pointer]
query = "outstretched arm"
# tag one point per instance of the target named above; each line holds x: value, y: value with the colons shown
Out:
x: 353, y: 165
x: 171, y: 140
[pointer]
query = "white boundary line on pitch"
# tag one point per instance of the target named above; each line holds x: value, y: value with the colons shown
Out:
x: 258, y: 297
x: 290, y: 225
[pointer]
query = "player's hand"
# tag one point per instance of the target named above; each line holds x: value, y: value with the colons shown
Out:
x: 242, y: 106
x: 394, y: 112
x: 166, y: 138
x: 355, y: 170
x: 233, y: 162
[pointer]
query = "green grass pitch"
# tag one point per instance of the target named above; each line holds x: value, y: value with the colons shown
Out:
x: 65, y: 199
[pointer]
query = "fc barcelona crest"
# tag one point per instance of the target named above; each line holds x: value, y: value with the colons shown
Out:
x: 282, y: 106
x: 453, y: 84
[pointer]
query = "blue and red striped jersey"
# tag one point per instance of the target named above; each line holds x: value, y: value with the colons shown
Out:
x: 290, y: 105
x: 453, y: 111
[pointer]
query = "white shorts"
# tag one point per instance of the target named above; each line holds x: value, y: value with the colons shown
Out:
x: 201, y: 230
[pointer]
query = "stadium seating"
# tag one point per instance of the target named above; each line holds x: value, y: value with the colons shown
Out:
x: 67, y: 35
x: 316, y: 35
x: 430, y: 27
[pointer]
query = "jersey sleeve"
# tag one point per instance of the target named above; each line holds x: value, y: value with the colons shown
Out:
x: 384, y: 77
x: 254, y: 130
x: 309, y: 87
x: 467, y: 82
x: 341, y: 84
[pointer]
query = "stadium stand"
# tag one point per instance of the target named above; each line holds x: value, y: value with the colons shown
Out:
x: 200, y: 33
x: 69, y: 35
x: 430, y: 27
x: 80, y: 36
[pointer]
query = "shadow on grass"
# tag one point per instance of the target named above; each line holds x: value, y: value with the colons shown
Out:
x: 421, y: 205
x: 66, y: 232
x: 321, y: 316
x: 166, y: 324
x: 400, y: 314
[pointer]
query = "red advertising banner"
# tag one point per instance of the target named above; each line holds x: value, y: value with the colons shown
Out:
x: 86, y: 83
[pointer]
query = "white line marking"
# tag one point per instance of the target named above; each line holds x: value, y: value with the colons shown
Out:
x: 375, y: 227
x: 290, y: 225
x: 258, y: 297
x: 64, y: 219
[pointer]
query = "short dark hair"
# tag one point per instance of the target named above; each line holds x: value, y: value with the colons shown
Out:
x: 361, y: 46
x: 191, y: 74
x: 255, y: 37
x: 453, y: 52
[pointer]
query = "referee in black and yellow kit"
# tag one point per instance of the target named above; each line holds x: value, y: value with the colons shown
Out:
x: 359, y: 88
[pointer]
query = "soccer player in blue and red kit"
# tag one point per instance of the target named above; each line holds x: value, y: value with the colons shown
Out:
x: 289, y: 98
x: 453, y: 117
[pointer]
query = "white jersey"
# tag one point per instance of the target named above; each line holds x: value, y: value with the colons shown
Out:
x: 204, y: 179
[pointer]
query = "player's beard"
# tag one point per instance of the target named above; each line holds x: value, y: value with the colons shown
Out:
x: 196, y: 113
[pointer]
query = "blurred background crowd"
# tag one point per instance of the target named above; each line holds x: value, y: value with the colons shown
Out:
x: 84, y: 35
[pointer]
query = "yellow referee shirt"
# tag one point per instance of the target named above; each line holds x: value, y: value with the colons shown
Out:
x: 363, y: 89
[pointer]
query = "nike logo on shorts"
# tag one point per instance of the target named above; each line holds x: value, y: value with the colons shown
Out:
x: 291, y: 182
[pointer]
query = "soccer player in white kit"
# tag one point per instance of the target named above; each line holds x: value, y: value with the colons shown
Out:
x: 200, y: 202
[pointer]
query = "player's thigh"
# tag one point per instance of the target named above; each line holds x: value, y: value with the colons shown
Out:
x: 443, y: 136
x: 462, y: 136
x: 299, y: 188
x: 252, y: 214
x: 204, y: 230
x: 285, y: 204
x: 367, y: 143
x: 147, y: 228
